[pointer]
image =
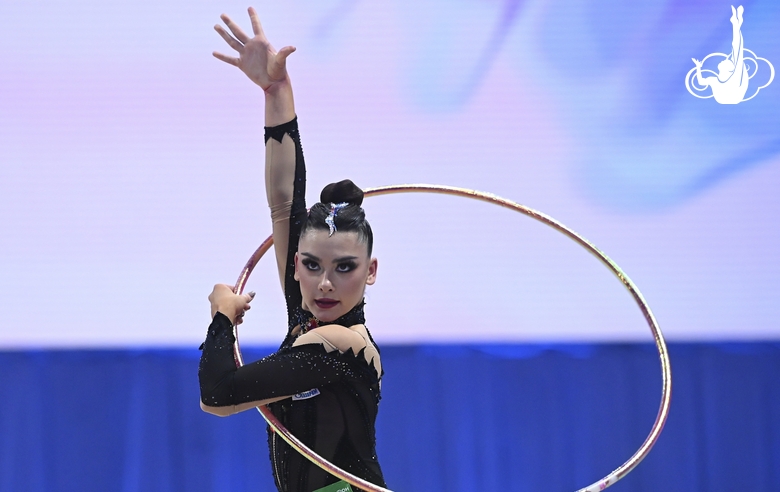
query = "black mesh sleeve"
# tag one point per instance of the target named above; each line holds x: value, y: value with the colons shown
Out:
x: 284, y: 373
x: 298, y: 215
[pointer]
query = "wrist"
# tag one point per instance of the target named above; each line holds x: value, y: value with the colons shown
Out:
x: 277, y: 87
x: 279, y: 104
x: 227, y: 311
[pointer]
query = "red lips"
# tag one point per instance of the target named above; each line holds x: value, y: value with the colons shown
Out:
x: 325, y: 303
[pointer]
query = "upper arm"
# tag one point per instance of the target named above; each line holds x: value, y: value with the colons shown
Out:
x: 272, y: 378
x: 279, y: 183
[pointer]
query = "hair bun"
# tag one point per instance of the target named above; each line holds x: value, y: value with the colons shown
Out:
x: 343, y: 191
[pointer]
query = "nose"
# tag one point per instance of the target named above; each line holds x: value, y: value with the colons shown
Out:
x: 325, y: 284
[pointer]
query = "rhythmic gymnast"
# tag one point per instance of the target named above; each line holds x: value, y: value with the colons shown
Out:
x: 731, y: 84
x: 323, y: 383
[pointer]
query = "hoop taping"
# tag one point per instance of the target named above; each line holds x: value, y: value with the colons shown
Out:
x: 666, y: 371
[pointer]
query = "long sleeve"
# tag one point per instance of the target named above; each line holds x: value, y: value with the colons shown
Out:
x: 285, y: 177
x: 288, y: 372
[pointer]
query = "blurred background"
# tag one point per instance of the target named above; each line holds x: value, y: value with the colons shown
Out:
x: 131, y: 167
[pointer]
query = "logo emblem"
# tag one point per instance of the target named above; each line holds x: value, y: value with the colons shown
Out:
x: 306, y: 394
x: 730, y: 83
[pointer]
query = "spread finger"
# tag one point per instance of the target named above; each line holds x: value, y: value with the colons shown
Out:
x: 237, y: 32
x: 230, y: 40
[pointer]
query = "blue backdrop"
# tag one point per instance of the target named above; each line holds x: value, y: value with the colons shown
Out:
x: 452, y: 418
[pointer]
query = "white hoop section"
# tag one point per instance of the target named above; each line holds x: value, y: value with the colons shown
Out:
x: 666, y: 371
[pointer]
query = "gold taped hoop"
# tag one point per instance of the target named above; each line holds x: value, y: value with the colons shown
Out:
x: 666, y: 370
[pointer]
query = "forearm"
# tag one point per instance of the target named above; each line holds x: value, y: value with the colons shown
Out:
x: 217, y: 363
x: 280, y: 160
x: 279, y: 103
x: 217, y: 371
x: 280, y: 152
x: 226, y: 388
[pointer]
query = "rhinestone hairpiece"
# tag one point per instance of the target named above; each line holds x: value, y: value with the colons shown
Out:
x: 331, y: 218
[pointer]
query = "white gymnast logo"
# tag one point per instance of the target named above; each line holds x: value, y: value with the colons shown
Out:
x: 730, y: 84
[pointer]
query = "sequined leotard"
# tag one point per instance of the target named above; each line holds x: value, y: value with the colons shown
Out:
x: 336, y: 393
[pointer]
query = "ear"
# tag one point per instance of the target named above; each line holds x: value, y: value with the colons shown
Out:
x: 295, y: 275
x: 371, y: 272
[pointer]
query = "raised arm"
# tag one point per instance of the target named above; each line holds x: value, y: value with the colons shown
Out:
x: 702, y: 81
x: 267, y: 68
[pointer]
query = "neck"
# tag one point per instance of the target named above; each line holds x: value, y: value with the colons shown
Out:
x: 354, y: 316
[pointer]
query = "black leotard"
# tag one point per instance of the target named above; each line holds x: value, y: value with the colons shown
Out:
x: 338, y: 421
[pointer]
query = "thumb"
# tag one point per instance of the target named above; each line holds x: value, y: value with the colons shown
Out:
x: 281, y: 56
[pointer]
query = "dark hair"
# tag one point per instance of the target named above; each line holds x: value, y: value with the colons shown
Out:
x: 351, y: 218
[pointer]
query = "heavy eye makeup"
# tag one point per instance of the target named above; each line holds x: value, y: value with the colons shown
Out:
x: 346, y: 266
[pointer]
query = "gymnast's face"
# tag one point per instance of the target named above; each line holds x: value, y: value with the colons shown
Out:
x: 333, y: 272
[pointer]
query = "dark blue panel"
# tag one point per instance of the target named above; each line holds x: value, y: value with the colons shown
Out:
x: 453, y: 418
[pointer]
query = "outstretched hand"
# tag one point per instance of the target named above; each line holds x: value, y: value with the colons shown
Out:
x: 256, y: 57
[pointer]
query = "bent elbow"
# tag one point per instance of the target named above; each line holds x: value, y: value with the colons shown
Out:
x: 218, y: 411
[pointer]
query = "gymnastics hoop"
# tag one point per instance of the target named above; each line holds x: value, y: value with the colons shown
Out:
x: 666, y: 370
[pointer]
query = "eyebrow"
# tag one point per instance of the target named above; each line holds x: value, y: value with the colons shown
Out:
x: 336, y: 260
x: 345, y: 258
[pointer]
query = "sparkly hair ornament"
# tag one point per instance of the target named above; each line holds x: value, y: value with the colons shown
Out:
x: 655, y: 330
x: 331, y: 218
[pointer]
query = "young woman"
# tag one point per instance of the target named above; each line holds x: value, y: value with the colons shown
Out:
x: 323, y: 383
